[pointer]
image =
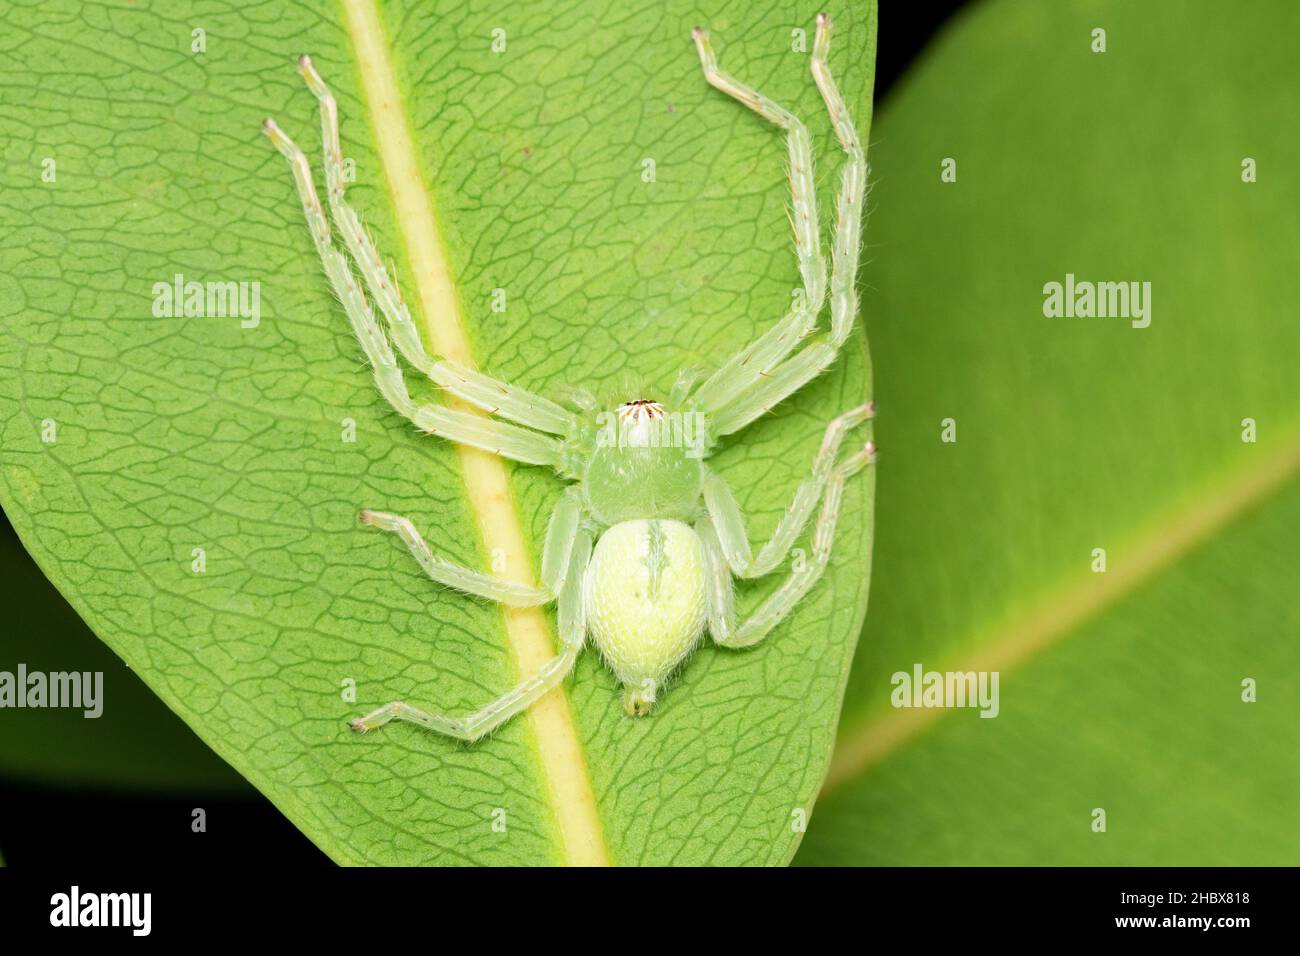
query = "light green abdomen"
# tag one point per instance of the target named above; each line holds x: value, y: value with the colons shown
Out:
x: 644, y: 595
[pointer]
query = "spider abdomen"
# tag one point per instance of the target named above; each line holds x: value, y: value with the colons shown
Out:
x: 644, y: 593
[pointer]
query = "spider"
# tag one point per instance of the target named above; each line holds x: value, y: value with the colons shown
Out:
x: 642, y: 548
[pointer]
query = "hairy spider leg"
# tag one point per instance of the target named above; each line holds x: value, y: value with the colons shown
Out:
x: 573, y: 630
x: 755, y: 360
x: 776, y: 384
x: 473, y: 386
x: 509, y: 441
x: 728, y: 523
x: 561, y: 533
x: 720, y: 608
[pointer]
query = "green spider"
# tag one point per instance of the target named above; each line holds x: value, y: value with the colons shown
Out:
x: 642, y: 549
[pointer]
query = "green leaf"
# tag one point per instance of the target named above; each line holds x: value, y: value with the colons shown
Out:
x: 183, y: 433
x: 1119, y: 690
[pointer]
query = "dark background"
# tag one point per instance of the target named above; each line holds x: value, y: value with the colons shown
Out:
x: 45, y: 821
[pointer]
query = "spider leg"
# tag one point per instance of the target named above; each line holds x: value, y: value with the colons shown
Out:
x: 847, y: 246
x: 500, y: 438
x: 786, y: 379
x: 758, y: 397
x: 560, y: 537
x: 792, y: 590
x: 728, y: 524
x: 572, y: 628
x: 719, y: 596
x: 752, y: 362
x: 486, y: 392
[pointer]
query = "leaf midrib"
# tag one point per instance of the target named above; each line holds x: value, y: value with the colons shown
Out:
x: 487, y: 490
x: 878, y: 734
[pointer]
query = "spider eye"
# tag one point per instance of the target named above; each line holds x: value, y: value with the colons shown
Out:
x: 640, y: 410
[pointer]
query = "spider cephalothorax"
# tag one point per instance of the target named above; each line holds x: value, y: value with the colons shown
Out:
x: 642, y: 550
